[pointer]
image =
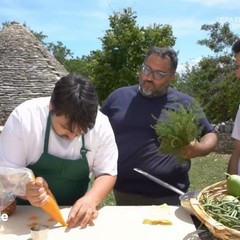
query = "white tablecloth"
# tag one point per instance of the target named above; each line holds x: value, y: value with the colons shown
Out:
x: 113, y: 223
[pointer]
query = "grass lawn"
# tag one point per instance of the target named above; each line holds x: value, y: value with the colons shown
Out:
x: 204, y: 172
x: 208, y: 170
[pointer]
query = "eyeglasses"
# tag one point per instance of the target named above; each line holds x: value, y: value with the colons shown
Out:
x: 158, y: 75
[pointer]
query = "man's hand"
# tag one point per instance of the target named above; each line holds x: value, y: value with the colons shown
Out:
x: 191, y: 150
x: 202, y: 147
x: 82, y: 213
x: 36, y: 192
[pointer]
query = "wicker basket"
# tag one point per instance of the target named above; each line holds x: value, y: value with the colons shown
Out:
x: 217, y: 229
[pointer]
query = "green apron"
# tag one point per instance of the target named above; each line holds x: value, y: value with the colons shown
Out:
x: 67, y: 179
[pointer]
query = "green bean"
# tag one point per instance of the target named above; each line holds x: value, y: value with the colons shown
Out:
x: 234, y: 213
x: 227, y: 213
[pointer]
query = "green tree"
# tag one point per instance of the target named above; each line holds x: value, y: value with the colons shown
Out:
x: 214, y: 76
x: 82, y: 66
x: 213, y: 83
x: 123, y: 49
x: 220, y: 37
x: 59, y: 51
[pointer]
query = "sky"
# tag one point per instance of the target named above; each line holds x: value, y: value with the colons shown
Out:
x: 79, y: 24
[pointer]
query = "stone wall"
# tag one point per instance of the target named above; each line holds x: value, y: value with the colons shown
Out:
x: 225, y: 141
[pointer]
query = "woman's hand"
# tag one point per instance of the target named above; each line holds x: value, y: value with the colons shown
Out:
x: 36, y: 192
x: 82, y: 213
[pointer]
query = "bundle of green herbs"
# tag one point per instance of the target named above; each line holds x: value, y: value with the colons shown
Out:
x: 178, y: 129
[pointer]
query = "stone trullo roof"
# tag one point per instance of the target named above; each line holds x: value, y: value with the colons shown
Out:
x: 27, y: 69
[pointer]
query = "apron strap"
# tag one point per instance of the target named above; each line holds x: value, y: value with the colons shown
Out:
x: 83, y: 150
x: 46, y: 139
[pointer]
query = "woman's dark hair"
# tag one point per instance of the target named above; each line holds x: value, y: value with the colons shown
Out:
x: 164, y: 52
x: 75, y: 97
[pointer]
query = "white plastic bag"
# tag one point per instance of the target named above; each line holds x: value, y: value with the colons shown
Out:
x: 13, y: 183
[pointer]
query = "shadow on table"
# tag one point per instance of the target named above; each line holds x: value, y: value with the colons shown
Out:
x: 200, y: 234
x: 201, y: 231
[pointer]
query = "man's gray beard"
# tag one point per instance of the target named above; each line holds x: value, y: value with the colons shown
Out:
x: 150, y: 94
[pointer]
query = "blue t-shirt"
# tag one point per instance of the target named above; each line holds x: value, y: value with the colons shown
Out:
x: 132, y: 117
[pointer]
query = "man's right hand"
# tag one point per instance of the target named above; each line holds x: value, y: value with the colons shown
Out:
x: 36, y: 192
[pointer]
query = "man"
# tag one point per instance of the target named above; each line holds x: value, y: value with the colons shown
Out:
x: 233, y: 165
x: 63, y: 139
x: 132, y: 112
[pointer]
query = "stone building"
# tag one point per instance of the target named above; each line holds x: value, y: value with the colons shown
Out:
x: 27, y: 69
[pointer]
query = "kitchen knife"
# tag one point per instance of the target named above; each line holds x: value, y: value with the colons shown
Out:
x: 157, y: 180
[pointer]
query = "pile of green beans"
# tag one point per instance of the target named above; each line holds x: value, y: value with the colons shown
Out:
x: 225, y: 212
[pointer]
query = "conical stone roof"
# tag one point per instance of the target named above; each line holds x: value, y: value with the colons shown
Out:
x: 27, y: 69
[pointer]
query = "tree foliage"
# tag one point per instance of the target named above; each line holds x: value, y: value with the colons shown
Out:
x: 212, y: 81
x: 81, y: 66
x: 59, y: 51
x: 123, y: 49
x: 220, y: 37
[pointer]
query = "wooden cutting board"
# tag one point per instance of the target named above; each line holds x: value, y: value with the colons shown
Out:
x: 113, y: 223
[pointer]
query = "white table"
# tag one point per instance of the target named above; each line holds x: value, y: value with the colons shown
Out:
x: 113, y: 223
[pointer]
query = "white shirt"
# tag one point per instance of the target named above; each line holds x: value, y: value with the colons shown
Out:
x: 236, y: 132
x: 22, y: 140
